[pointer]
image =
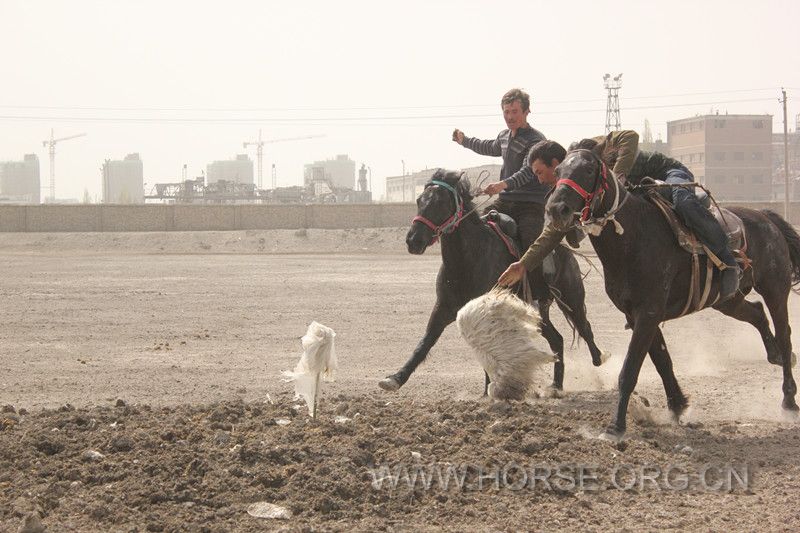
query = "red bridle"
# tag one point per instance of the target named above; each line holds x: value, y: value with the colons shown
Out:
x: 449, y: 225
x: 588, y: 197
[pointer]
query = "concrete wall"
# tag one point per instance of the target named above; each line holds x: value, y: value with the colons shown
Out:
x: 79, y: 218
x: 153, y: 217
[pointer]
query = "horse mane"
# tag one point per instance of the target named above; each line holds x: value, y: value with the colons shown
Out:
x: 464, y: 189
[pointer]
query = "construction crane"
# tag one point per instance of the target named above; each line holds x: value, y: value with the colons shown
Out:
x: 259, y: 144
x: 52, y: 144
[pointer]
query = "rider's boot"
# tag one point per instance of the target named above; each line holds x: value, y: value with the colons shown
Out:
x: 729, y: 282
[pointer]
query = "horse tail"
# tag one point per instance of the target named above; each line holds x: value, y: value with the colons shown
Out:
x: 792, y: 241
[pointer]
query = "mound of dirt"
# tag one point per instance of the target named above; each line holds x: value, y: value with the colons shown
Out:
x: 199, y: 468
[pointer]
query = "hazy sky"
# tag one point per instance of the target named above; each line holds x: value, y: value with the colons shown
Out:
x: 181, y: 82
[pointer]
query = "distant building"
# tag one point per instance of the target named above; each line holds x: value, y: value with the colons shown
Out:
x: 729, y: 154
x: 19, y: 180
x: 339, y: 172
x: 239, y: 170
x: 123, y: 181
x: 407, y: 188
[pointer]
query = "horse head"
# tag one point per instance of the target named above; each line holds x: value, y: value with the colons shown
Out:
x: 582, y: 181
x: 440, y: 209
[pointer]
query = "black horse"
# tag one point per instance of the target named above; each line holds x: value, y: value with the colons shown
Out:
x: 473, y: 257
x: 648, y: 275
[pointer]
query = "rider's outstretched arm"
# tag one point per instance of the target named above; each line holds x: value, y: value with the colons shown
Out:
x: 542, y: 247
x: 487, y: 147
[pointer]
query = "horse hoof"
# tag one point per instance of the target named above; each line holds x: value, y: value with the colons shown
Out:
x: 790, y: 407
x: 554, y: 391
x: 789, y: 414
x: 604, y: 356
x: 389, y: 384
x: 612, y: 436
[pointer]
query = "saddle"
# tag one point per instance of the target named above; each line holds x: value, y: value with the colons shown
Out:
x: 737, y: 242
x: 506, y: 229
x: 731, y: 224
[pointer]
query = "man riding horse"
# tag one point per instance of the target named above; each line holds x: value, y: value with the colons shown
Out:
x: 619, y: 151
x: 521, y: 196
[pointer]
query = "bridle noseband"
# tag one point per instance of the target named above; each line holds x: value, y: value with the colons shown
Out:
x: 594, y: 225
x: 597, y: 193
x: 449, y: 225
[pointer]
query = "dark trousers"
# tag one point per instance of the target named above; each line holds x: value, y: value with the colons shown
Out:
x: 697, y: 218
x: 529, y: 217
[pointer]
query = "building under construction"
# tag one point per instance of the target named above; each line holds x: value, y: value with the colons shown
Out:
x: 231, y: 182
x: 202, y: 191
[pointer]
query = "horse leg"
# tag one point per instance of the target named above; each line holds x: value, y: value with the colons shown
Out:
x: 573, y: 307
x: 753, y: 313
x: 571, y: 299
x: 676, y: 400
x: 556, y: 342
x: 777, y: 305
x: 486, y: 382
x: 440, y: 318
x: 644, y: 328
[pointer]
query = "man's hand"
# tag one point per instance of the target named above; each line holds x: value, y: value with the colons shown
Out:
x: 494, y: 188
x: 458, y: 136
x: 512, y: 275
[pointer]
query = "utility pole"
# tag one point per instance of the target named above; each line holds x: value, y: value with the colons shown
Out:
x: 52, y: 144
x: 785, y: 159
x: 404, y: 179
x: 613, y: 86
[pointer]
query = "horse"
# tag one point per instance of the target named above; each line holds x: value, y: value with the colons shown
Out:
x: 648, y: 275
x: 473, y: 257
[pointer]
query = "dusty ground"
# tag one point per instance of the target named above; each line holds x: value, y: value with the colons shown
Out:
x: 191, y: 331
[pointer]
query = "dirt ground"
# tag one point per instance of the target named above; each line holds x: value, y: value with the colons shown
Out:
x: 141, y: 379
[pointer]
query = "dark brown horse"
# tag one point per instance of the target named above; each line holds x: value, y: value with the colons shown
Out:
x: 473, y: 257
x: 647, y: 274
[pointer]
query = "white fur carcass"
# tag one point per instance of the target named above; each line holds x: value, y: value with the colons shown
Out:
x: 503, y: 330
x: 318, y: 360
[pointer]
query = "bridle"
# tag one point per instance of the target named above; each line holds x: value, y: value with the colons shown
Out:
x: 594, y: 225
x: 597, y: 193
x: 449, y: 225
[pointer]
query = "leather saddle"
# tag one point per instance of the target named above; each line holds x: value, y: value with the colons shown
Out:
x: 731, y: 224
x: 508, y: 225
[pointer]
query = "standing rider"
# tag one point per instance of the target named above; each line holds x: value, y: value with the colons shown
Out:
x: 521, y: 196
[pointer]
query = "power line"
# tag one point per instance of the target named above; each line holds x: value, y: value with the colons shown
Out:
x: 357, y: 108
x: 331, y: 120
x: 703, y: 93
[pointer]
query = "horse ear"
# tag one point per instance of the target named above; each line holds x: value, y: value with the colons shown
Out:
x: 439, y: 174
x: 452, y: 176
